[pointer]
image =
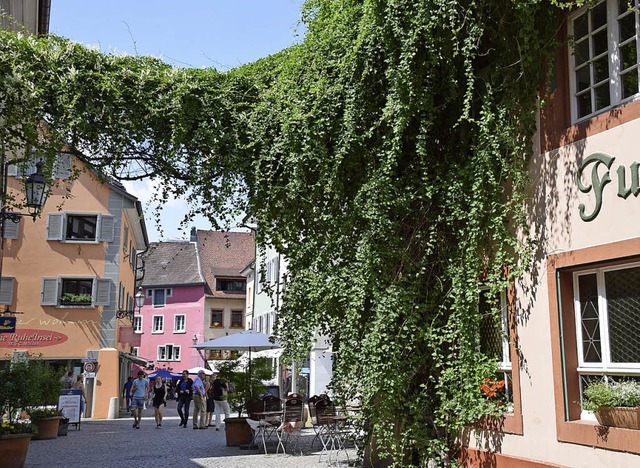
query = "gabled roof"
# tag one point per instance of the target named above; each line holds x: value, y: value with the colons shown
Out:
x: 224, y: 255
x: 172, y: 263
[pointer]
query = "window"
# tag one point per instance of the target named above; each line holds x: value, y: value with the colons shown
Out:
x: 607, y: 311
x: 159, y: 296
x: 158, y: 324
x: 494, y: 336
x: 593, y: 300
x: 604, y: 57
x: 179, y: 324
x: 236, y: 318
x: 216, y: 318
x: 80, y: 227
x: 135, y: 350
x: 231, y: 285
x: 137, y: 324
x: 73, y: 291
x: 168, y: 352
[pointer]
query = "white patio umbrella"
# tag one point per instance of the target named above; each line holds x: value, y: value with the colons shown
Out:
x: 195, y: 370
x: 247, y: 340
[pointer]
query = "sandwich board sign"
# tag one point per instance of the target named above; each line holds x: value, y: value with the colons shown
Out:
x: 69, y: 404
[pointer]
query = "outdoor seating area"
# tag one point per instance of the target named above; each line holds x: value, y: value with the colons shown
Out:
x: 278, y: 426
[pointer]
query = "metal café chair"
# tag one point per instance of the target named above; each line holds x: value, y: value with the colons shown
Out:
x: 330, y: 430
x: 291, y: 423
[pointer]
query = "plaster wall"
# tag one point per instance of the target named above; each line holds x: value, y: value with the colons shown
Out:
x: 557, y: 227
x: 188, y: 301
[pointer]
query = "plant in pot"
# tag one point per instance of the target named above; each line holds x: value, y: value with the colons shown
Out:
x: 615, y: 404
x: 243, y: 387
x: 15, y: 435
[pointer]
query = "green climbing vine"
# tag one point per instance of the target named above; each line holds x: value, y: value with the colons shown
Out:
x: 385, y: 156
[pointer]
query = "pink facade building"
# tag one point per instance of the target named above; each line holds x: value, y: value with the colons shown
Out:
x: 172, y: 319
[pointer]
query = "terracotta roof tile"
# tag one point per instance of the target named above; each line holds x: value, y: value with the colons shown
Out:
x: 224, y: 254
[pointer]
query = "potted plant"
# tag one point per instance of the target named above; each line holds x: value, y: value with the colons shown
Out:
x: 47, y: 421
x: 15, y: 435
x: 615, y: 404
x: 243, y: 388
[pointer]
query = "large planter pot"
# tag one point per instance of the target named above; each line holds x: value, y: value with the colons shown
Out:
x: 47, y: 428
x: 13, y: 449
x: 628, y: 418
x: 237, y: 431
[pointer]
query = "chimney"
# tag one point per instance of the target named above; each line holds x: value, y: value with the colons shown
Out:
x: 194, y: 236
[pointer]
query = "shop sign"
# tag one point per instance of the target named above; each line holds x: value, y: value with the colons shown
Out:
x: 600, y: 166
x: 7, y: 325
x: 27, y: 338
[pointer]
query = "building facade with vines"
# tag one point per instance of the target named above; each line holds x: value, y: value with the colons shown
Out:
x: 574, y: 318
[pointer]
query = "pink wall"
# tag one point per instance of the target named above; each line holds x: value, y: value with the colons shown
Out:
x: 187, y: 301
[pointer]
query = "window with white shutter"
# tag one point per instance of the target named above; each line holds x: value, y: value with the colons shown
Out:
x: 10, y: 229
x: 76, y: 292
x: 80, y: 227
x: 6, y: 290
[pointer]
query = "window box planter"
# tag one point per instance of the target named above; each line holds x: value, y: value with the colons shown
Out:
x: 619, y: 416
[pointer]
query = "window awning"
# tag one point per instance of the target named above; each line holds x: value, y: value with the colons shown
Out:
x: 136, y: 359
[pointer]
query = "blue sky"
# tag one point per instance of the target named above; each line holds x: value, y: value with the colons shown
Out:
x: 195, y: 33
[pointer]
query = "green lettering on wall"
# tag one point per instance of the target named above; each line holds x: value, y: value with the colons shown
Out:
x: 598, y: 182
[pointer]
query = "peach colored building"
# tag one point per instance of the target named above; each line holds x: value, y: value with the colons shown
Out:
x: 68, y: 272
x: 575, y: 318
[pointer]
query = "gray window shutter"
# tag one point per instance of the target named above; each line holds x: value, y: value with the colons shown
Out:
x: 6, y: 290
x: 62, y: 168
x: 10, y: 229
x: 276, y: 270
x: 12, y: 170
x: 107, y: 225
x: 55, y: 226
x: 102, y: 290
x: 50, y: 291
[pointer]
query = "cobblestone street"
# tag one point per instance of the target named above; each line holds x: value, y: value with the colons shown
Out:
x: 114, y: 443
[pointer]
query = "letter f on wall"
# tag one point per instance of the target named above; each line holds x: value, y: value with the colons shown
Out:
x: 597, y: 182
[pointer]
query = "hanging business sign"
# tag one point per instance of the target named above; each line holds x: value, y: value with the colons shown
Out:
x: 29, y: 338
x: 593, y: 176
x: 7, y: 325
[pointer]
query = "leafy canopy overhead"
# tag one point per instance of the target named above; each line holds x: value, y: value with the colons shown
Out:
x: 385, y: 157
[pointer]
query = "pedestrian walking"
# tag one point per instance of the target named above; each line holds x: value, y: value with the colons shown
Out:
x: 220, y: 390
x: 184, y: 389
x: 210, y: 402
x: 126, y: 392
x: 79, y: 384
x: 199, y: 402
x: 139, y: 391
x: 159, y: 391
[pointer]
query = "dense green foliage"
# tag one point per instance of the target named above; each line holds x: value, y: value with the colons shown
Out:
x: 385, y: 156
x: 32, y: 383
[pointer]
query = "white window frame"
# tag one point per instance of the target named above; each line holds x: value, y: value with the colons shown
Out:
x: 176, y: 328
x: 615, y: 81
x: 151, y: 294
x: 174, y: 355
x: 606, y: 366
x: 157, y: 319
x: 137, y: 324
x: 135, y: 350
